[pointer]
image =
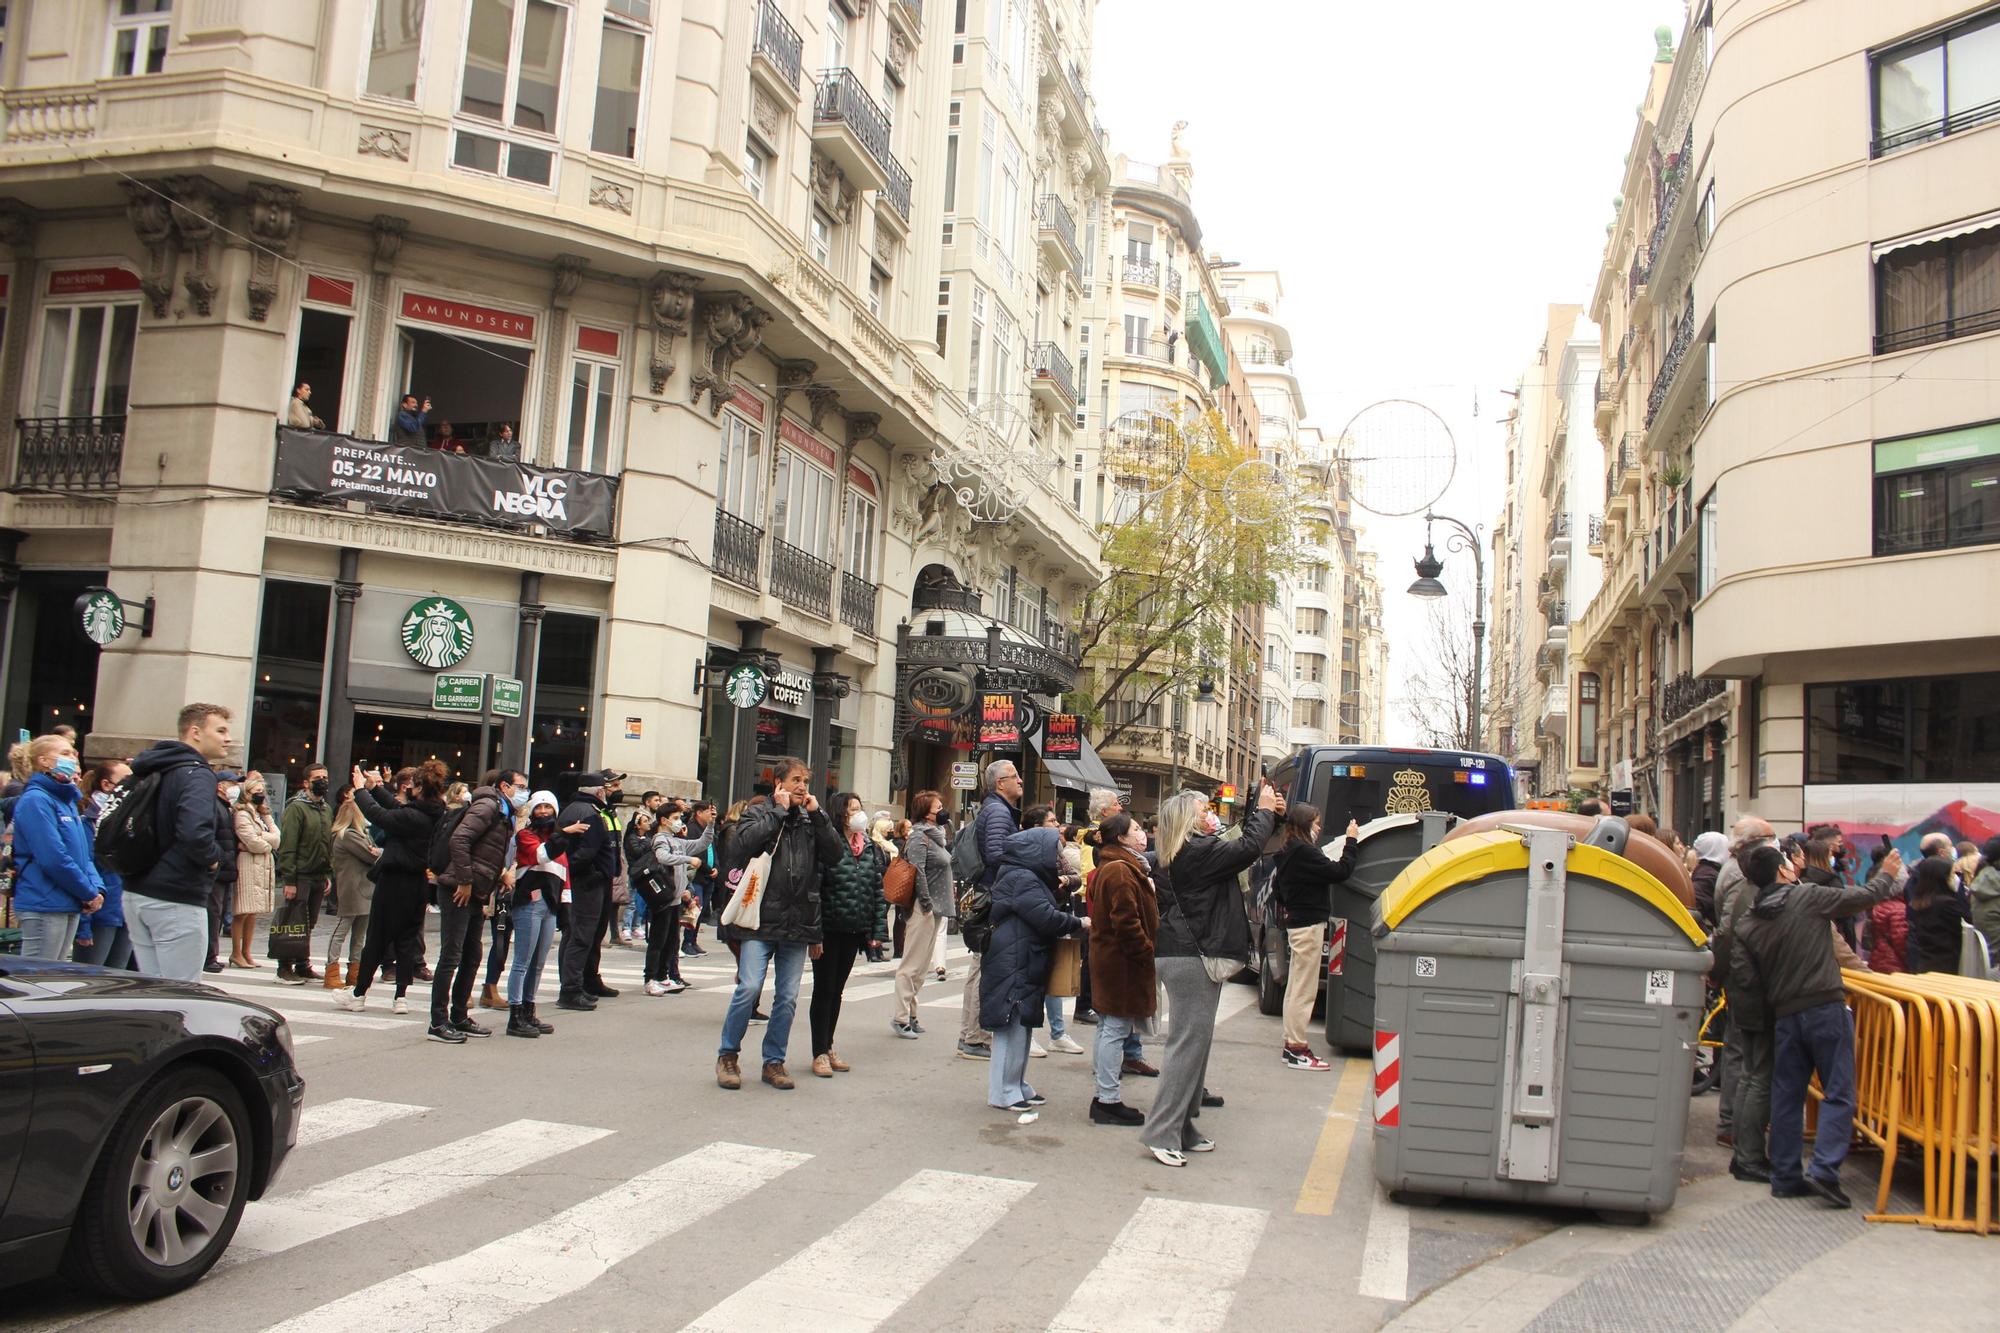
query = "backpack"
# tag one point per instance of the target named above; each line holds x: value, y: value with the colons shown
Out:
x: 975, y: 916
x: 967, y: 861
x: 439, y: 857
x: 129, y: 838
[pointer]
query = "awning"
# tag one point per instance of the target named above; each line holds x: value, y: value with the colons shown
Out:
x: 1079, y: 774
x: 1944, y: 233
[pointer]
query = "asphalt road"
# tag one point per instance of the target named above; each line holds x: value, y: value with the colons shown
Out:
x: 598, y: 1179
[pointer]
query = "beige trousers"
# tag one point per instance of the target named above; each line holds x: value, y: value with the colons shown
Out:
x: 920, y: 935
x: 1302, y: 985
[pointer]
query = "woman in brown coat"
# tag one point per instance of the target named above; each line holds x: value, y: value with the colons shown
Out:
x: 1124, y: 918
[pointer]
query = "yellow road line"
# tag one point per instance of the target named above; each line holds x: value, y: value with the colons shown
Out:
x: 1343, y: 1114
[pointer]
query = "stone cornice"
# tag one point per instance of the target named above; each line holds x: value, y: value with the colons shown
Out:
x: 378, y: 532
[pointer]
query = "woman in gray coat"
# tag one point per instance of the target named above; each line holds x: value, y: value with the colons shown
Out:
x: 936, y: 902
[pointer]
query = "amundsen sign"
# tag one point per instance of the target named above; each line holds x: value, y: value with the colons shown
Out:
x: 471, y: 318
x: 314, y: 465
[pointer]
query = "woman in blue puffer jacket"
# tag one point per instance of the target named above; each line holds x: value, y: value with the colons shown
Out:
x: 1013, y: 979
x: 55, y: 877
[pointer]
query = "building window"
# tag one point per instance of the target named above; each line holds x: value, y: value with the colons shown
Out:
x: 621, y: 73
x: 86, y: 360
x: 951, y: 171
x: 1311, y: 714
x: 802, y: 515
x: 836, y: 36
x: 593, y: 414
x: 514, y: 58
x: 1083, y: 376
x: 1138, y: 242
x: 757, y: 169
x: 1938, y: 85
x: 1003, y: 350
x: 1076, y: 481
x: 1137, y: 328
x: 859, y: 540
x: 819, y: 239
x: 1705, y: 565
x: 139, y: 31
x: 878, y: 290
x: 1934, y: 492
x: 978, y: 336
x: 395, y: 49
x: 739, y: 488
x: 1311, y: 621
x: 1008, y: 230
x: 943, y: 314
x: 1943, y: 729
x: 1587, y: 690
x: 1929, y: 292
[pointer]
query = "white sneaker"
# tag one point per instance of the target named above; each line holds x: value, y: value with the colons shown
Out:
x: 402, y: 1006
x: 349, y: 1001
x: 676, y: 987
x: 1065, y: 1045
x: 656, y: 988
x: 1037, y: 1050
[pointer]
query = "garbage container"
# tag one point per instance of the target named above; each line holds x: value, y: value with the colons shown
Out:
x: 1535, y: 1017
x: 1386, y: 846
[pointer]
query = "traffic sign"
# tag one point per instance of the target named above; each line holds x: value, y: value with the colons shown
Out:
x: 458, y: 692
x: 507, y: 694
x: 964, y: 777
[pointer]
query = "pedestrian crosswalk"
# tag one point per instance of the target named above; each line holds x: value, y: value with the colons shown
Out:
x: 1174, y: 1265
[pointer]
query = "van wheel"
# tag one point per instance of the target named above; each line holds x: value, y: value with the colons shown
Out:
x: 164, y: 1197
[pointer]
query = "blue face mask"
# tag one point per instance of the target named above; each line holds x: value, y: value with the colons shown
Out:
x: 519, y: 800
x: 67, y: 767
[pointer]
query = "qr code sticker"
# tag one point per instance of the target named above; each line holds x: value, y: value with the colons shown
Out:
x: 1427, y: 967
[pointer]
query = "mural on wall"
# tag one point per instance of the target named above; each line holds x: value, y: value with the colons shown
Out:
x: 1961, y: 821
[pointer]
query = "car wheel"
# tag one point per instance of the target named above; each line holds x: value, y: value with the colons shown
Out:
x: 166, y: 1194
x: 1270, y: 986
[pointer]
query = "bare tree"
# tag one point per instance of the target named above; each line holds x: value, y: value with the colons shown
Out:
x: 1439, y: 703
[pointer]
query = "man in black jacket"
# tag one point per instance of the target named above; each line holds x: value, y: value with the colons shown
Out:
x: 166, y: 908
x: 478, y: 865
x: 222, y: 897
x: 803, y: 845
x: 592, y: 847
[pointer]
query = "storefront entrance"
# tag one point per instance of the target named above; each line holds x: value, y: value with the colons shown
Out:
x: 393, y: 741
x: 51, y: 667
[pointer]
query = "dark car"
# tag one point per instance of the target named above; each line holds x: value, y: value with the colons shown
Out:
x: 137, y: 1117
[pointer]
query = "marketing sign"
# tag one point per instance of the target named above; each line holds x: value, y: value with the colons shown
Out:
x: 999, y: 723
x: 1062, y: 737
x: 318, y: 465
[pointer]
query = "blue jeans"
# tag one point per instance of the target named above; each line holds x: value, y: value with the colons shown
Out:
x: 110, y: 946
x: 50, y: 935
x: 1113, y: 1048
x: 1007, y: 1075
x: 751, y: 965
x: 534, y: 926
x: 1822, y: 1039
x: 1052, y: 1011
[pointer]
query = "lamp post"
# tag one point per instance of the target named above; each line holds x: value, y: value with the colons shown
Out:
x: 1428, y: 586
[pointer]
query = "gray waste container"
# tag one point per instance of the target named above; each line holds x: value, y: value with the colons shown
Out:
x: 1536, y: 1009
x: 1386, y: 846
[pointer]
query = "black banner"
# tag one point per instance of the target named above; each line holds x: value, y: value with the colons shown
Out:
x: 317, y: 465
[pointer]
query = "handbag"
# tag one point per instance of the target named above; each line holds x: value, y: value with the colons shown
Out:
x: 291, y: 930
x: 1219, y: 969
x: 1065, y: 968
x: 899, y: 883
x: 621, y: 892
x: 746, y: 909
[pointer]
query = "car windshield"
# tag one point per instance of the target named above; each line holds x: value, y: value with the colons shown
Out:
x: 1463, y: 785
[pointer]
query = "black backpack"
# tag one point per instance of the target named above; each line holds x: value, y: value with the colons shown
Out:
x: 440, y: 851
x: 130, y: 840
x: 975, y: 916
x: 968, y: 863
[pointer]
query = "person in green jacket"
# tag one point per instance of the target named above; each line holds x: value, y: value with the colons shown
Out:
x: 1986, y: 896
x: 305, y: 862
x: 853, y: 916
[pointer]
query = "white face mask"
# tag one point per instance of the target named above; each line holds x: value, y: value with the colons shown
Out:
x: 675, y: 826
x: 235, y: 794
x: 1135, y: 841
x: 857, y: 823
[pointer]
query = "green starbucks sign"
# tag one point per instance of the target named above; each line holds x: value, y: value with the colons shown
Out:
x: 437, y: 633
x: 102, y: 614
x: 745, y: 686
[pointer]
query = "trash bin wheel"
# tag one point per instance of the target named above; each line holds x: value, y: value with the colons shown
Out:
x: 1616, y: 1217
x: 1415, y: 1198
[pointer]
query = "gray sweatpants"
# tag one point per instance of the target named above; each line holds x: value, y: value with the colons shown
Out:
x: 1191, y: 1002
x: 969, y: 1030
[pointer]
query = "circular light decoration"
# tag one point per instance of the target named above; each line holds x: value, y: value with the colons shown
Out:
x: 1256, y: 493
x: 996, y: 465
x: 1396, y: 457
x: 1145, y: 452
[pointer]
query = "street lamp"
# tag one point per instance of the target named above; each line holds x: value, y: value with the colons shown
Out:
x: 1428, y: 586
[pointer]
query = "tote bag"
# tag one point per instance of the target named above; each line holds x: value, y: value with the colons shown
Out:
x: 291, y: 930
x: 1065, y: 968
x: 746, y: 909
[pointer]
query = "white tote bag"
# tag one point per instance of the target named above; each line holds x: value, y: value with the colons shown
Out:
x: 746, y: 909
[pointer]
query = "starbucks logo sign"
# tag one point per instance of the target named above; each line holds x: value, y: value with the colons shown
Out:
x: 745, y: 686
x: 437, y: 633
x: 103, y: 616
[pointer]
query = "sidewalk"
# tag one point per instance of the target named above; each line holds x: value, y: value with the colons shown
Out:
x: 1727, y: 1256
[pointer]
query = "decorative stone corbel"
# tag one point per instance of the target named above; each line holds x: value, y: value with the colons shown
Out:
x: 569, y: 272
x: 732, y: 328
x: 793, y: 375
x: 672, y: 296
x: 200, y: 212
x: 388, y: 233
x: 862, y: 426
x: 17, y: 225
x: 273, y: 222
x: 150, y: 210
x: 820, y: 398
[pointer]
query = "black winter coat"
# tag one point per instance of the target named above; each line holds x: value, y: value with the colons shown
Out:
x: 1198, y: 893
x: 1935, y: 935
x: 187, y: 815
x: 851, y: 901
x: 806, y: 846
x: 1304, y: 879
x: 406, y: 842
x: 593, y: 853
x: 225, y: 842
x: 1027, y: 921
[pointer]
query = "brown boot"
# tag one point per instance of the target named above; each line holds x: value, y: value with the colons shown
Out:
x: 489, y: 998
x: 775, y: 1075
x: 332, y: 980
x: 727, y: 1075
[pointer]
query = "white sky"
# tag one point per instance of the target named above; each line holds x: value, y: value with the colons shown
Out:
x: 1426, y: 179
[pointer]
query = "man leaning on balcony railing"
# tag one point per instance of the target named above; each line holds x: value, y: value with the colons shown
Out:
x: 297, y: 413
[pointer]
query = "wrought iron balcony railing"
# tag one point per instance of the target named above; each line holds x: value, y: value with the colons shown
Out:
x: 738, y: 544
x: 69, y: 453
x: 857, y: 603
x: 801, y: 579
x: 778, y: 41
x: 1670, y: 364
x: 1052, y: 214
x: 1687, y: 692
x: 1052, y: 367
x: 844, y: 100
x: 1142, y: 272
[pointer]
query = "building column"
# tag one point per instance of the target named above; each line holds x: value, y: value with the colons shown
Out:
x: 10, y: 580
x: 515, y: 731
x: 743, y: 758
x: 337, y: 746
x: 829, y: 688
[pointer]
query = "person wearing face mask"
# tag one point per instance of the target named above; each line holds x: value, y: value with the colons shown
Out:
x: 354, y: 858
x: 675, y: 849
x: 222, y: 900
x: 305, y: 859
x: 935, y: 903
x: 499, y: 908
x: 110, y: 941
x: 255, y: 836
x: 396, y: 913
x: 539, y: 877
x: 1124, y: 921
x: 56, y: 879
x: 481, y: 862
x: 854, y: 916
x: 1302, y: 882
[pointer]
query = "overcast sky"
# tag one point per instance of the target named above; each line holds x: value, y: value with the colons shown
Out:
x: 1426, y: 179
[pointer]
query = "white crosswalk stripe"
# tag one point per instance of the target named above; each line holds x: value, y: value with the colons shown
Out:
x: 1198, y: 1252
x: 349, y: 1115
x: 518, y: 1274
x: 856, y: 1277
x: 400, y: 1186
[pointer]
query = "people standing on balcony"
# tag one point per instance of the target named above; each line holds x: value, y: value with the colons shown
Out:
x: 853, y: 917
x: 999, y: 819
x: 447, y: 441
x: 56, y: 880
x: 1303, y: 882
x: 503, y: 446
x: 929, y: 853
x: 1124, y: 916
x: 305, y: 861
x: 409, y: 427
x: 297, y: 414
x: 402, y: 876
x: 166, y: 906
